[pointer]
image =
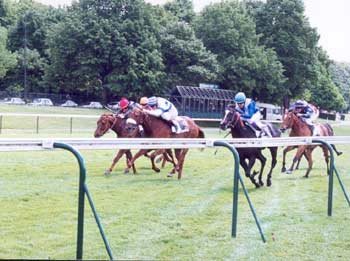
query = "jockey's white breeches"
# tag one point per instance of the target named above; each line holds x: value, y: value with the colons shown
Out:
x: 170, y: 115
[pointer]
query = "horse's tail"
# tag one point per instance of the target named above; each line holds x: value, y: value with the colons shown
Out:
x: 331, y: 133
x: 201, y: 134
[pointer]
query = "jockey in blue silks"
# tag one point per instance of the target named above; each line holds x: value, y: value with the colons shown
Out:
x: 250, y: 113
x: 163, y: 108
x: 307, y: 112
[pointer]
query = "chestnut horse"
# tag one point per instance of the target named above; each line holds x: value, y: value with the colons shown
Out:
x: 239, y: 129
x: 118, y: 124
x: 155, y: 127
x: 300, y: 128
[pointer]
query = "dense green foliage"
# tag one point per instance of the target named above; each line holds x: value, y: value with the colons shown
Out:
x: 108, y: 49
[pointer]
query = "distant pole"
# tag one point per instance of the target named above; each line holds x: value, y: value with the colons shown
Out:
x: 25, y: 57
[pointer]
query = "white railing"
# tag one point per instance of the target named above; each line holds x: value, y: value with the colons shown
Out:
x: 92, y: 144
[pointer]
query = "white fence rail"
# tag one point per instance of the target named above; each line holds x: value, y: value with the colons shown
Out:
x: 93, y: 144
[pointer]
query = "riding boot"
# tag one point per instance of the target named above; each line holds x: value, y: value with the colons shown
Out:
x: 266, y: 131
x: 141, y: 131
x: 176, y: 126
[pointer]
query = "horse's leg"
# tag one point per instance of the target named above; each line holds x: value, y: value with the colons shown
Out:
x: 132, y: 161
x: 273, y: 151
x: 262, y: 160
x: 153, y: 156
x: 168, y: 156
x: 181, y: 164
x: 252, y: 160
x: 178, y: 153
x: 336, y: 151
x: 115, y: 160
x: 289, y: 148
x: 297, y: 156
x: 308, y: 154
x: 128, y: 158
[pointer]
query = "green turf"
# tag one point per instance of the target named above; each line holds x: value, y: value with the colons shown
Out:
x: 150, y: 216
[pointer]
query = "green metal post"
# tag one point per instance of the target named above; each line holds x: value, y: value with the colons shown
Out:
x: 237, y: 178
x: 82, y: 178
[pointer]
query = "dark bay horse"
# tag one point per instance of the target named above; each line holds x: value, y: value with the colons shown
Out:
x: 300, y: 128
x: 157, y: 128
x: 239, y: 129
x: 118, y: 124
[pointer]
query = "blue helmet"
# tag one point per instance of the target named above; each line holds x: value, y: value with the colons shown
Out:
x: 240, y: 97
x: 152, y: 101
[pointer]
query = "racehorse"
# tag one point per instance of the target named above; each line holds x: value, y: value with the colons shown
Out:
x: 155, y: 127
x: 300, y: 128
x: 239, y: 129
x: 118, y: 124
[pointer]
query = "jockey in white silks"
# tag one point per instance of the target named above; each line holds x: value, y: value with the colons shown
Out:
x: 250, y: 113
x: 163, y: 108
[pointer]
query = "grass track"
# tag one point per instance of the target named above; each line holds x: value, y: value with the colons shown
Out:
x: 148, y: 216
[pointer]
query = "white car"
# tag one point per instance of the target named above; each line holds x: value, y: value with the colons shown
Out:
x: 94, y: 105
x: 113, y: 105
x: 16, y: 101
x: 41, y: 102
x: 69, y: 103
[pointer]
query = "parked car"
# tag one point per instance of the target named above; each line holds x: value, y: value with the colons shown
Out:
x: 41, y: 102
x: 94, y: 105
x: 17, y: 101
x: 69, y: 103
x: 113, y: 105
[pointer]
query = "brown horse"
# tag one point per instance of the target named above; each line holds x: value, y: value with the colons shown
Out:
x: 118, y: 124
x: 300, y: 128
x: 157, y: 128
x: 248, y: 156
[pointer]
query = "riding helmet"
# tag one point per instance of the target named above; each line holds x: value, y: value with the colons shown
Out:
x: 152, y: 101
x: 240, y: 97
x: 123, y: 103
x: 300, y: 103
x: 144, y: 101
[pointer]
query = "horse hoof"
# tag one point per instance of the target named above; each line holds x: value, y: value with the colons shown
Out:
x: 156, y: 170
x: 126, y: 171
x: 257, y: 186
x: 339, y: 153
x: 283, y: 169
x: 306, y: 176
x: 261, y: 183
x: 289, y: 172
x: 170, y: 175
x: 107, y: 172
x: 269, y: 183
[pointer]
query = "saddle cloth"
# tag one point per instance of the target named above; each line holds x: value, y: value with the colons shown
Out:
x: 183, y: 125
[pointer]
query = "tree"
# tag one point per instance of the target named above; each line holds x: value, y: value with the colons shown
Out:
x: 228, y: 31
x: 340, y: 74
x: 284, y: 28
x: 182, y: 9
x: 107, y: 48
x: 8, y: 59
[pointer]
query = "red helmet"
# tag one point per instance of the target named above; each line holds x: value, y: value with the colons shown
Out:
x: 123, y: 103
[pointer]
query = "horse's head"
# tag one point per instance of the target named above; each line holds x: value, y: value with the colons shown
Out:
x: 289, y: 119
x: 231, y: 118
x: 104, y: 123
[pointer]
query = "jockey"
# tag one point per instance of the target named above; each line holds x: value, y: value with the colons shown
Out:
x: 144, y: 103
x: 307, y: 113
x: 250, y: 113
x: 125, y: 106
x: 163, y: 108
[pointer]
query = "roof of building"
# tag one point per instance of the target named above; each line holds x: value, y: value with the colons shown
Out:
x: 203, y: 93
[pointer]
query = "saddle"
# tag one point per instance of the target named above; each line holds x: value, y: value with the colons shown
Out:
x: 182, y: 123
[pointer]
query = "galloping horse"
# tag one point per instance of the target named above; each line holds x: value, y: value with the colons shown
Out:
x: 300, y: 128
x: 157, y: 128
x: 232, y: 120
x: 118, y: 124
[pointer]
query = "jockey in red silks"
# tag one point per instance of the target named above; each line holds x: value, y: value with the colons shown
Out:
x: 307, y: 112
x: 250, y: 113
x: 163, y: 108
